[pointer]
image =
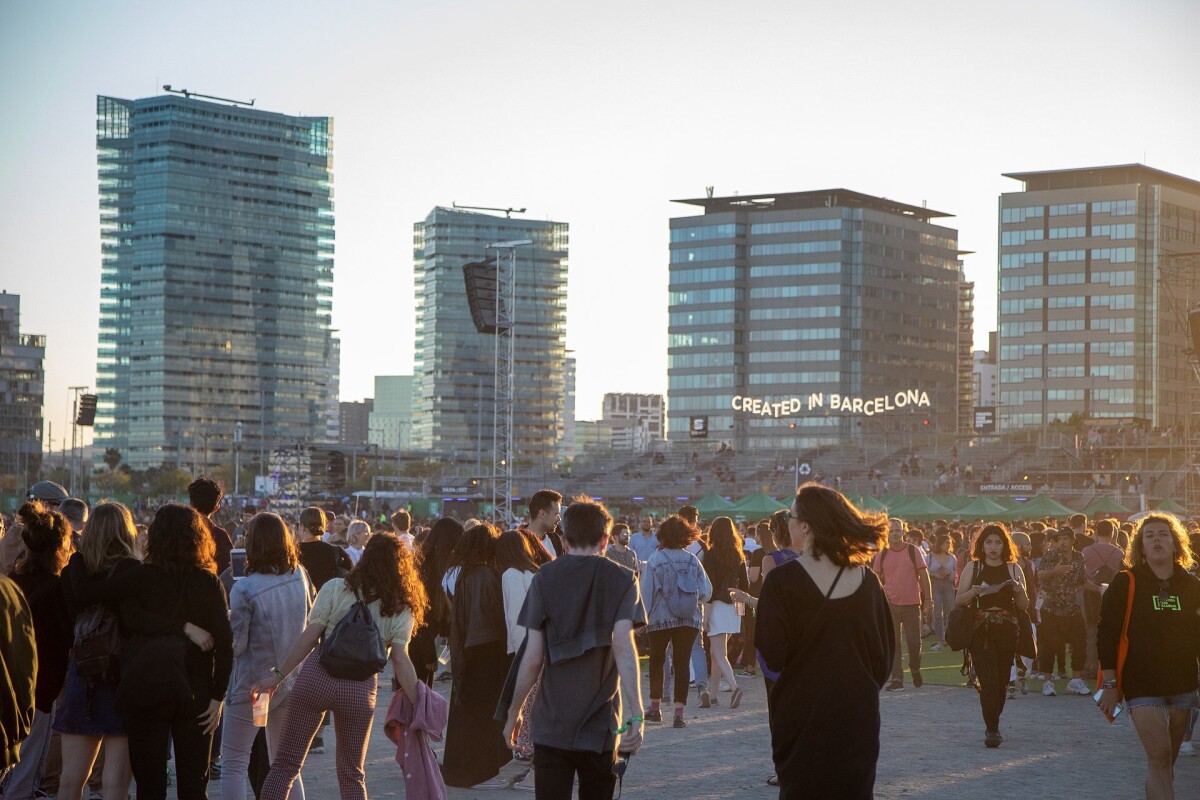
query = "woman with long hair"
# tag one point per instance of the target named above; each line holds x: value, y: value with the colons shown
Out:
x: 673, y: 578
x: 475, y: 745
x: 46, y: 536
x: 386, y: 580
x: 434, y: 556
x: 994, y: 586
x: 268, y: 609
x: 87, y: 712
x: 1158, y: 677
x: 825, y: 628
x: 178, y: 582
x: 517, y: 563
x: 942, y: 568
x: 725, y: 565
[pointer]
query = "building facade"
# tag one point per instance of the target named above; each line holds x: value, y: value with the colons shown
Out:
x: 454, y: 380
x: 216, y: 278
x: 983, y: 379
x: 792, y: 314
x: 637, y: 420
x: 354, y: 421
x: 22, y: 394
x: 390, y: 421
x: 1091, y: 285
x: 333, y: 383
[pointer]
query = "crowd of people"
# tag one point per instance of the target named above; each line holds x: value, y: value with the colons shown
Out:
x: 226, y: 653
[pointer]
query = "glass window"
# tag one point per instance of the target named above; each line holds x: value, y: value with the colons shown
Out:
x: 794, y: 248
x: 703, y: 233
x: 795, y: 226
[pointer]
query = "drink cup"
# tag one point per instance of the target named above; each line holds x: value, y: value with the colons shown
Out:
x: 739, y: 608
x: 261, y: 703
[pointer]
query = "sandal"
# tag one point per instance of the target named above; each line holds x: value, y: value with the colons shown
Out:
x: 773, y: 780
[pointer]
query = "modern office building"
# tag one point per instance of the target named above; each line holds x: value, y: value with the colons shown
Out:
x: 22, y: 394
x: 216, y: 277
x: 354, y: 421
x: 333, y: 383
x: 637, y: 420
x: 966, y: 343
x: 390, y: 422
x: 566, y: 443
x: 1091, y: 290
x: 983, y: 379
x: 454, y: 381
x: 806, y: 318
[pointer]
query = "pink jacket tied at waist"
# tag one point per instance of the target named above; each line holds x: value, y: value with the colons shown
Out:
x: 411, y: 727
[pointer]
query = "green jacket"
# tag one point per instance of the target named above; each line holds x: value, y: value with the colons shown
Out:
x: 18, y: 671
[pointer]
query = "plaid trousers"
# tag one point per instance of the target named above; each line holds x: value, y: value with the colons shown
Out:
x: 315, y: 693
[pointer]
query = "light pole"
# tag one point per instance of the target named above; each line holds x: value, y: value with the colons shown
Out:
x: 237, y: 453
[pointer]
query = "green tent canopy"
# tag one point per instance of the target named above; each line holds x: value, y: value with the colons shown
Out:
x: 921, y: 509
x: 981, y: 507
x: 1043, y: 505
x: 955, y: 501
x: 756, y: 505
x: 868, y: 503
x: 712, y: 504
x: 1104, y: 505
x: 1170, y: 505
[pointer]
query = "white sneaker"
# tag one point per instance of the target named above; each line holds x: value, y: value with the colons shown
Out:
x: 1077, y: 686
x: 1048, y: 689
x: 1186, y: 749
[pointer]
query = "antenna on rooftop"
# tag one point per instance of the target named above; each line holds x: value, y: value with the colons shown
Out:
x: 508, y: 212
x: 187, y: 93
x: 708, y: 190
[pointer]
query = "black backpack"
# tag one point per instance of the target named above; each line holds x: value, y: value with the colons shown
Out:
x: 97, y: 645
x: 352, y: 650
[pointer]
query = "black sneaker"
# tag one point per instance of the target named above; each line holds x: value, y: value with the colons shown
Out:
x: 679, y: 723
x: 652, y: 716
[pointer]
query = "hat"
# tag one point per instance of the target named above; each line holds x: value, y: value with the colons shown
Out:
x: 49, y: 491
x: 1064, y: 531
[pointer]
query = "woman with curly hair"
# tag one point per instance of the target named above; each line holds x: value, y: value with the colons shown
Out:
x: 267, y: 611
x: 475, y: 746
x: 46, y: 536
x: 1158, y: 677
x: 824, y: 626
x: 385, y: 578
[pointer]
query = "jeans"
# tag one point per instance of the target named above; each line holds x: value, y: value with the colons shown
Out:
x: 554, y: 772
x: 943, y: 604
x: 992, y: 649
x: 240, y: 731
x: 908, y: 618
x: 681, y: 640
x: 150, y: 738
x: 699, y: 662
x: 26, y: 776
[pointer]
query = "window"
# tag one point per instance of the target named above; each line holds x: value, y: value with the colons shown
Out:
x: 794, y: 356
x: 718, y: 316
x: 767, y: 378
x: 1067, y: 209
x: 1114, y: 349
x: 1125, y: 231
x: 1066, y: 279
x: 1064, y: 349
x: 796, y: 312
x: 1117, y: 302
x: 720, y: 252
x: 1019, y: 283
x: 1120, y: 278
x: 1118, y: 208
x: 1016, y: 352
x: 1067, y: 255
x: 699, y: 360
x: 721, y: 380
x: 795, y: 270
x: 818, y: 290
x: 1018, y: 260
x: 1020, y: 214
x: 1021, y: 305
x: 796, y: 226
x: 1020, y: 328
x: 703, y: 233
x: 794, y: 248
x: 805, y: 334
x: 1020, y: 237
x: 1067, y: 302
x: 680, y: 277
x: 1113, y: 325
x: 698, y: 296
x: 706, y: 339
x: 1117, y: 255
x: 1116, y: 372
x: 1064, y: 325
x: 1068, y: 233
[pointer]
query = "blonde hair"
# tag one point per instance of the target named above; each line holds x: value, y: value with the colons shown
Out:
x: 1183, y: 548
x: 110, y: 534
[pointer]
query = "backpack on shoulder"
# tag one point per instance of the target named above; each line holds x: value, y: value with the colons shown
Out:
x: 97, y: 645
x: 680, y: 588
x: 352, y: 650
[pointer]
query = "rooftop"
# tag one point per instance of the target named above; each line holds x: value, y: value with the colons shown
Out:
x: 824, y: 198
x: 1115, y: 175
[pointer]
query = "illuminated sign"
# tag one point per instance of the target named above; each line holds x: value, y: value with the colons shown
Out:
x: 869, y: 406
x: 698, y: 428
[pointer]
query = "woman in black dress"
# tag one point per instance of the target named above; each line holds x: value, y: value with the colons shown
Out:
x: 824, y: 625
x: 436, y: 552
x: 475, y: 745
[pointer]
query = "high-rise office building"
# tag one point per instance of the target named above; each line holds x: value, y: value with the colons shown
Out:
x: 333, y: 382
x: 216, y: 278
x: 804, y: 318
x: 454, y: 381
x: 22, y: 394
x: 390, y: 421
x: 1088, y: 320
x: 637, y: 419
x: 354, y: 421
x: 566, y: 442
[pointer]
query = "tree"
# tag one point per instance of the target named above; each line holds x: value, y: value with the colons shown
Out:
x: 112, y: 481
x: 112, y: 457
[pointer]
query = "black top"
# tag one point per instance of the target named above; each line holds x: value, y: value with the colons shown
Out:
x: 723, y: 580
x: 53, y: 634
x: 223, y: 542
x: 755, y: 559
x: 1164, y: 632
x: 824, y: 709
x: 323, y: 560
x: 1003, y: 599
x: 477, y: 615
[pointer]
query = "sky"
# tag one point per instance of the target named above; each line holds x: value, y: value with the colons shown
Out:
x: 596, y: 114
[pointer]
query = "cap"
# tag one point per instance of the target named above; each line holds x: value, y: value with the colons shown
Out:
x: 48, y: 491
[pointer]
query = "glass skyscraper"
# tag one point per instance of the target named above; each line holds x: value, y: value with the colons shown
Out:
x: 454, y: 364
x: 777, y: 301
x: 216, y: 278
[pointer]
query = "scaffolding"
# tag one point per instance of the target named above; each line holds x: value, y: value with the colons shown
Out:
x: 502, y: 411
x: 1179, y: 282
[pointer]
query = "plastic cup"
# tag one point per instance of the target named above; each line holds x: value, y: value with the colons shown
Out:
x: 739, y: 608
x: 261, y: 703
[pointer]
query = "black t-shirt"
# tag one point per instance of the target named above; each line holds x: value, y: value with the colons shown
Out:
x: 323, y: 560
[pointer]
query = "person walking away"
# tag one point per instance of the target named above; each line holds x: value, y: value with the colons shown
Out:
x: 905, y: 577
x: 268, y: 609
x: 517, y: 565
x: 754, y: 559
x: 386, y: 581
x: 322, y: 560
x: 46, y: 537
x: 18, y: 671
x: 1157, y: 680
x: 994, y: 586
x: 675, y: 585
x: 476, y: 750
x: 589, y: 710
x: 725, y: 565
x: 205, y: 495
x: 401, y: 523
x: 1060, y: 579
x: 1102, y: 561
x: 942, y: 566
x: 436, y: 552
x: 825, y: 627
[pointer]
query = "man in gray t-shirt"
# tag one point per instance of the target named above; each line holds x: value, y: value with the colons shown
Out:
x: 589, y: 706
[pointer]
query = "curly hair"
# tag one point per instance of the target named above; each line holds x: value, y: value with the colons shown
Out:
x: 840, y: 531
x: 1009, y: 556
x: 269, y: 546
x: 179, y: 539
x: 676, y: 533
x: 387, y: 572
x: 726, y: 551
x: 1183, y: 550
x: 47, y: 538
x: 110, y: 534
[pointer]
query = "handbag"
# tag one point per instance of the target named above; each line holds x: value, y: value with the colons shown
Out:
x: 1122, y: 646
x: 961, y: 623
x: 352, y: 650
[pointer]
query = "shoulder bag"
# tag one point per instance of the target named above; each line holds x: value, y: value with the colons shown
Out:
x: 352, y: 650
x: 961, y: 622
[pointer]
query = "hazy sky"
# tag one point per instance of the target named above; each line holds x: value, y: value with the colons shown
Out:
x: 597, y: 115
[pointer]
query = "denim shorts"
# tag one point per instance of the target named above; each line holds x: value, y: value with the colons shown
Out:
x: 1175, y: 702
